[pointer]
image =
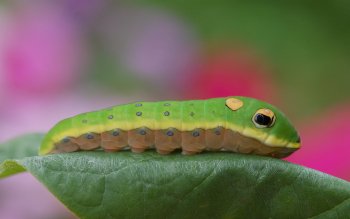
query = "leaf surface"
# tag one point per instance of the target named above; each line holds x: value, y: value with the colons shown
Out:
x: 210, y: 185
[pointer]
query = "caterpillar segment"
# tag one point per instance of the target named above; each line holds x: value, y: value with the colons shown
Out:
x: 237, y: 124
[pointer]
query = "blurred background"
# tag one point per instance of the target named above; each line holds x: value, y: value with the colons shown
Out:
x: 61, y: 58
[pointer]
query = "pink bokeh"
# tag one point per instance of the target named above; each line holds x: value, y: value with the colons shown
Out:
x: 326, y: 143
x: 44, y: 50
x: 231, y: 72
x: 23, y: 197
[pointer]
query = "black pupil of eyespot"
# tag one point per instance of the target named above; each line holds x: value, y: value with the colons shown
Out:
x: 262, y: 119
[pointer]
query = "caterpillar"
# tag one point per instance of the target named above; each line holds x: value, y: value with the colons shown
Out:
x: 237, y: 124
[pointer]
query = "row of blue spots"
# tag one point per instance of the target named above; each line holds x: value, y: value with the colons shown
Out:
x: 143, y: 131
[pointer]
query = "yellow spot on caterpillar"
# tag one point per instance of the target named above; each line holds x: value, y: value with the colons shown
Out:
x: 234, y: 104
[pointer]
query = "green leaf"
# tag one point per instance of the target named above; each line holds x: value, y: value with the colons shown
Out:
x: 210, y: 185
x: 21, y: 147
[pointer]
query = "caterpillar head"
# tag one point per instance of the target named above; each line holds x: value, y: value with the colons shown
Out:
x: 263, y: 122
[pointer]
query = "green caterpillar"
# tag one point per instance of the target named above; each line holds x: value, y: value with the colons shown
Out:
x: 238, y: 124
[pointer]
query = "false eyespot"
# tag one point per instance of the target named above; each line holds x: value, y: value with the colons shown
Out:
x: 264, y: 118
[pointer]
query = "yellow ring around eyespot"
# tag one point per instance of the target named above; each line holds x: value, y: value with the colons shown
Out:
x: 234, y: 103
x: 265, y: 112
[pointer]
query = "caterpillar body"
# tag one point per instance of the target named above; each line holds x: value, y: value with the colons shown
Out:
x: 238, y: 124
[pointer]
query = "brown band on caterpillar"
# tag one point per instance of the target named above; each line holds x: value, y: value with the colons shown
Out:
x: 140, y: 139
x: 167, y: 140
x: 66, y: 145
x: 88, y: 141
x: 193, y: 141
x: 114, y: 140
x: 214, y: 138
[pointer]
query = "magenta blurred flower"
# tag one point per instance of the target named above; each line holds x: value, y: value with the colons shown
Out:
x: 326, y: 143
x: 44, y: 52
x: 229, y: 72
